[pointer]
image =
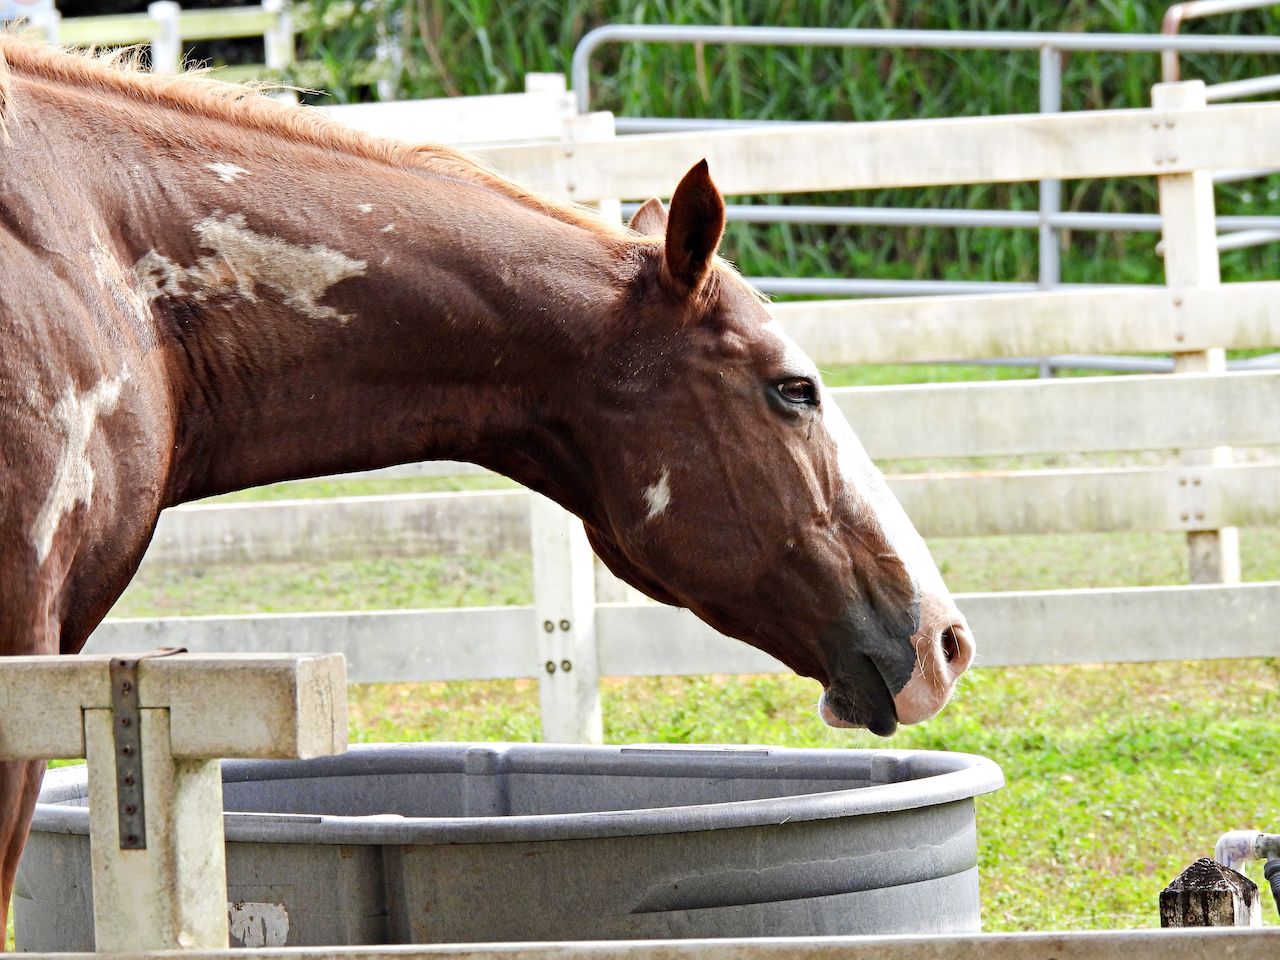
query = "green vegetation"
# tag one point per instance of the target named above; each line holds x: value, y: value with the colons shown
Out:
x: 467, y: 47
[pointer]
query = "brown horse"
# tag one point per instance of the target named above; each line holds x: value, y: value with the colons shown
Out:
x: 205, y: 290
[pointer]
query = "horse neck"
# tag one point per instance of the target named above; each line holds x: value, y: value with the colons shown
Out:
x: 323, y: 313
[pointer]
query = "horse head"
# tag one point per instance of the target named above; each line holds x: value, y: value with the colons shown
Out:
x: 733, y: 485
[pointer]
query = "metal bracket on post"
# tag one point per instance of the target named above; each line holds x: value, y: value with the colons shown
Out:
x: 126, y: 728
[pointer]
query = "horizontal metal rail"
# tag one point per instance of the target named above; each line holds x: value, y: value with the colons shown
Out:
x: 905, y: 39
x: 1114, y: 364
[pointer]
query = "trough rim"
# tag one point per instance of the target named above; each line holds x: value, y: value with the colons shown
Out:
x: 940, y: 777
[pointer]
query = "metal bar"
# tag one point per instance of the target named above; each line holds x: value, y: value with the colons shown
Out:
x: 1115, y: 364
x: 1246, y: 238
x: 1192, y: 10
x: 1242, y: 88
x: 1050, y: 190
x: 913, y: 39
x: 639, y: 125
x: 1235, y: 176
x: 1007, y: 219
x: 838, y: 287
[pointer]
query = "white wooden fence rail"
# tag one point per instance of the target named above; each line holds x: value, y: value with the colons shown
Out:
x: 909, y: 153
x: 492, y: 523
x: 647, y: 639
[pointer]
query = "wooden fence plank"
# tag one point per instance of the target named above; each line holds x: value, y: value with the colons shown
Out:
x: 1120, y: 320
x: 483, y: 522
x: 1194, y: 622
x: 1015, y: 417
x: 473, y: 643
x: 1036, y: 627
x: 490, y: 523
x: 905, y: 153
x: 463, y: 120
x: 1090, y: 500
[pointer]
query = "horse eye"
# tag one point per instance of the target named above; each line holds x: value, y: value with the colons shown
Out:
x: 798, y: 390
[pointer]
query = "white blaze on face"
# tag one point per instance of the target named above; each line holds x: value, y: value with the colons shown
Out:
x: 658, y: 497
x: 227, y: 172
x: 75, y: 416
x: 866, y: 479
x: 243, y: 259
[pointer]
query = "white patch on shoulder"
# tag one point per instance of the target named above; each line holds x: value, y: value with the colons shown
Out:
x: 122, y: 289
x: 365, y: 207
x: 227, y: 172
x: 388, y: 228
x: 243, y: 259
x: 75, y: 416
x: 658, y: 497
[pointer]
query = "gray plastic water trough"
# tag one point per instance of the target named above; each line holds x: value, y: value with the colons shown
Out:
x: 449, y: 842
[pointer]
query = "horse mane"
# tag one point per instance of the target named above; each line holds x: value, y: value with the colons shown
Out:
x: 199, y: 95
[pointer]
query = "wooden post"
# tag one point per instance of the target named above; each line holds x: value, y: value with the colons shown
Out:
x: 1207, y: 894
x: 166, y: 38
x: 1191, y: 260
x: 564, y: 598
x: 280, y: 45
x: 152, y: 730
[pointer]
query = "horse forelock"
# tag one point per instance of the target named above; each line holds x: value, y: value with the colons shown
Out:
x: 198, y: 95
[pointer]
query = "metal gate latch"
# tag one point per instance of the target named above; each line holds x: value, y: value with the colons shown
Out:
x: 126, y: 726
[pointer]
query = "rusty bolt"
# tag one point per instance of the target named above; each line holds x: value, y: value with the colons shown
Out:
x: 127, y: 750
x: 564, y: 624
x: 1196, y: 481
x: 1186, y: 516
x: 566, y: 666
x: 551, y: 666
x: 548, y: 626
x: 1182, y: 481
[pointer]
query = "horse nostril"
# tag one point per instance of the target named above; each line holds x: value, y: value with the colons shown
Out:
x: 950, y: 645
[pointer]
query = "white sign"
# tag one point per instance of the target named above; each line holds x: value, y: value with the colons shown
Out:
x: 34, y: 10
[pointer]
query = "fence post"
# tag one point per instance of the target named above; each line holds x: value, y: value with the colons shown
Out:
x: 166, y: 40
x: 595, y: 126
x: 280, y: 45
x: 1207, y: 894
x: 564, y: 599
x: 1191, y: 260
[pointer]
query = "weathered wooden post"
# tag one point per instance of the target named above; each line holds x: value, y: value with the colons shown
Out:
x: 1191, y: 260
x: 152, y: 728
x: 1207, y: 894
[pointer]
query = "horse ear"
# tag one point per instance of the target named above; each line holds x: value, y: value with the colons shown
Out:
x: 694, y: 227
x: 651, y: 219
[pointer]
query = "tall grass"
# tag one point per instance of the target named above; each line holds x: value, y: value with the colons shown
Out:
x: 464, y: 47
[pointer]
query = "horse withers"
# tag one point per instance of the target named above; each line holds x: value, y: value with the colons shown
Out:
x: 205, y: 290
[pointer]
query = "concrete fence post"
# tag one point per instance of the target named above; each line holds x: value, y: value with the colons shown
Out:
x: 1191, y: 260
x: 564, y: 600
x: 166, y: 38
